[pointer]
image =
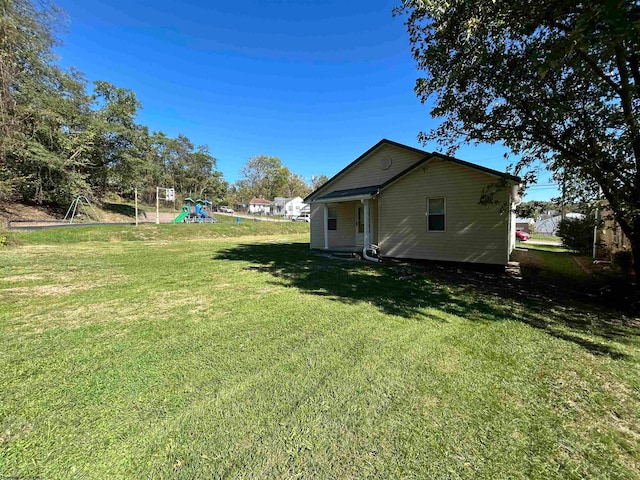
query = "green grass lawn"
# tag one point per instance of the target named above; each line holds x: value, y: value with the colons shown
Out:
x: 209, y: 351
x: 540, y: 236
x: 542, y: 248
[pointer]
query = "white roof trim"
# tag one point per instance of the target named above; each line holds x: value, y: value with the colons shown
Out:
x: 352, y: 198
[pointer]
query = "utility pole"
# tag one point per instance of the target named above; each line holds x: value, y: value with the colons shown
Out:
x: 595, y: 227
x: 135, y: 193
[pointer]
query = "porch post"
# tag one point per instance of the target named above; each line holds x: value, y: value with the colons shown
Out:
x: 366, y: 224
x: 325, y: 210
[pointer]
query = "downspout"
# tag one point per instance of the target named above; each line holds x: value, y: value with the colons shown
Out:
x: 366, y: 234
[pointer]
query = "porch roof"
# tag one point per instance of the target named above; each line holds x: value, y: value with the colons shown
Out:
x: 360, y: 193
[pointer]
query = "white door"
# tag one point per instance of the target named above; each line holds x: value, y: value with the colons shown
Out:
x: 360, y: 224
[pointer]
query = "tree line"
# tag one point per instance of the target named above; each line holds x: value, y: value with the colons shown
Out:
x: 61, y: 136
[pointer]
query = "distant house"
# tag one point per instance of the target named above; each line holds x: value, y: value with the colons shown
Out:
x: 260, y: 205
x: 288, y: 207
x: 548, y: 224
x: 417, y: 205
x: 525, y: 224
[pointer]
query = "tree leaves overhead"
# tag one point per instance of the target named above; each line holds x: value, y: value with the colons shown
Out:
x: 557, y: 82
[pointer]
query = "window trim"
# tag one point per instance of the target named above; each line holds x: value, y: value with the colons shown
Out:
x: 444, y: 214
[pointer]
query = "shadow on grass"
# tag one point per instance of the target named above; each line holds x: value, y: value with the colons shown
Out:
x: 422, y: 291
x: 127, y: 210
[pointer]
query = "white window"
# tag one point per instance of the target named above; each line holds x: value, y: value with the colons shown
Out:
x: 436, y: 214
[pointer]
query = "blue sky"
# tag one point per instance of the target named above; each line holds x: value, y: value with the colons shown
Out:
x: 315, y: 83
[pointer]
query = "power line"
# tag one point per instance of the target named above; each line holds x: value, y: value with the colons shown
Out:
x: 542, y: 186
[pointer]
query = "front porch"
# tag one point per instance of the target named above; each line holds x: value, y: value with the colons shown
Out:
x: 346, y: 223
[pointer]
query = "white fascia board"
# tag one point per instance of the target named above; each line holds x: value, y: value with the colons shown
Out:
x: 353, y: 198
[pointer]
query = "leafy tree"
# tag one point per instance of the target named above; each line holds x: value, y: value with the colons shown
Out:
x: 52, y: 153
x: 534, y: 208
x: 200, y: 178
x: 577, y: 234
x: 554, y: 81
x: 37, y: 101
x: 296, y: 186
x: 263, y: 176
x: 317, y: 181
x: 117, y: 140
x: 175, y: 162
x: 57, y: 140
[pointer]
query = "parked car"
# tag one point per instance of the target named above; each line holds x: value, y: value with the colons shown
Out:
x: 303, y: 217
x: 226, y: 210
x: 522, y: 236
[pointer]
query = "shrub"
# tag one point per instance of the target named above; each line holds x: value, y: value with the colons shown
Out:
x: 577, y: 234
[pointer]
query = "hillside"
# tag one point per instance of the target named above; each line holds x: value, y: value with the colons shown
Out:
x: 20, y: 211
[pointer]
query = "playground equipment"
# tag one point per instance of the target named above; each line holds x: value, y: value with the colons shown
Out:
x: 199, y: 214
x: 81, y: 205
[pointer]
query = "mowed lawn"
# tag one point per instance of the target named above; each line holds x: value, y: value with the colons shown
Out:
x: 182, y: 352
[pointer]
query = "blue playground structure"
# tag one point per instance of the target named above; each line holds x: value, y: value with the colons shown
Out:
x: 199, y: 213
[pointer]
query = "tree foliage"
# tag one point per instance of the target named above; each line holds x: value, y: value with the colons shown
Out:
x: 60, y: 137
x: 534, y: 208
x: 577, y: 233
x: 556, y: 82
x: 317, y: 181
x: 266, y: 177
x: 176, y: 162
x: 296, y: 186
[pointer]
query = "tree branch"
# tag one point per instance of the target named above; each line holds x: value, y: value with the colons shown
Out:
x: 634, y: 64
x: 598, y: 71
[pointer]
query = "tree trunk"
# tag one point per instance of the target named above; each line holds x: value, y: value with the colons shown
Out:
x: 633, y: 234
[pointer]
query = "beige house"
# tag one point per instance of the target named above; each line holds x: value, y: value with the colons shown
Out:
x: 416, y: 205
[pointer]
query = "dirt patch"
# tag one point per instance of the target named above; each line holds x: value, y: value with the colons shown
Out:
x: 44, y: 290
x: 21, y: 278
x: 19, y: 211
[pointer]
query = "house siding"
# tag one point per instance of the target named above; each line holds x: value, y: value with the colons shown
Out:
x: 368, y: 172
x: 317, y: 226
x: 373, y: 209
x: 474, y: 233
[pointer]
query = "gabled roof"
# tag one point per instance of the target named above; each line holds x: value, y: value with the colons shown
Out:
x: 427, y: 156
x: 259, y: 201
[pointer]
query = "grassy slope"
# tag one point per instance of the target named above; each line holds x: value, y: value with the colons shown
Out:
x: 227, y: 227
x: 167, y: 357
